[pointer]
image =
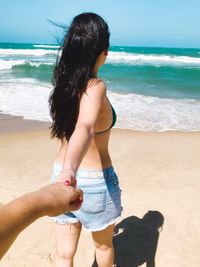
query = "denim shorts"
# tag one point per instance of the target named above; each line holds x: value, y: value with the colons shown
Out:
x: 101, y: 198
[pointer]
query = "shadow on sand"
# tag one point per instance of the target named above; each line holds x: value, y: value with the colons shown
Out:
x: 135, y: 240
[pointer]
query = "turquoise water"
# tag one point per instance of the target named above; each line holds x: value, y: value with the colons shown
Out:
x: 152, y: 89
x: 163, y: 72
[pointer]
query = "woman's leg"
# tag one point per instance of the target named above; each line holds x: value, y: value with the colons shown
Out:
x: 67, y: 237
x: 104, y: 246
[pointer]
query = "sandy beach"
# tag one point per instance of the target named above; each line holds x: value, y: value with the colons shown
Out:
x: 157, y: 171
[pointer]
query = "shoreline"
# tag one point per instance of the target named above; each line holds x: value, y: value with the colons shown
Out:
x: 11, y: 124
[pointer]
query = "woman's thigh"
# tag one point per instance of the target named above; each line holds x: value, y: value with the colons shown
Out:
x: 67, y: 236
x: 103, y: 239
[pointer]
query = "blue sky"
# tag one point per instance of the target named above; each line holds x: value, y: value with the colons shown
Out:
x: 167, y: 23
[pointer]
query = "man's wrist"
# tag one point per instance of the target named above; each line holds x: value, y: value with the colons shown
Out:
x: 40, y: 203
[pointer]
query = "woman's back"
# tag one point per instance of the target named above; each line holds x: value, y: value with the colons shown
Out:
x: 97, y: 156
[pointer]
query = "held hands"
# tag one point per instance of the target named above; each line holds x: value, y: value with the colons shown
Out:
x: 59, y: 198
x: 68, y: 177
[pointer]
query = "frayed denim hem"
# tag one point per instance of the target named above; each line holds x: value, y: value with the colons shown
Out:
x: 64, y: 221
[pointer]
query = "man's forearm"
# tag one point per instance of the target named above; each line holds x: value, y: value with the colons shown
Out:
x: 16, y: 216
x: 50, y: 200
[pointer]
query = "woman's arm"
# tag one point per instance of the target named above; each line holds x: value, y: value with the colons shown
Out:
x: 84, y: 131
x: 51, y: 200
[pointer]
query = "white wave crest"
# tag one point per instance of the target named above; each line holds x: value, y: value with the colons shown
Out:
x: 156, y: 60
x: 27, y: 52
x: 38, y: 64
x: 46, y: 46
x: 9, y: 64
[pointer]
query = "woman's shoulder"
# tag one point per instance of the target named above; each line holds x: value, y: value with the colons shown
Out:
x: 96, y: 86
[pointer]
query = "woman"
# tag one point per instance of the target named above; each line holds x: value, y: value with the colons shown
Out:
x: 82, y: 118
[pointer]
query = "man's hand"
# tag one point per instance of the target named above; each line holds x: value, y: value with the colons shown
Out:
x: 60, y: 198
x: 51, y: 200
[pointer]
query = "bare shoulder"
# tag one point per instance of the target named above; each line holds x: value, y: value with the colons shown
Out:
x: 91, y: 103
x: 96, y: 87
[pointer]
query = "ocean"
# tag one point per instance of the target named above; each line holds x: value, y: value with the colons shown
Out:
x: 151, y: 89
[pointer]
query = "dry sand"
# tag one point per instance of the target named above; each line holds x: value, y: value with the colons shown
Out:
x: 157, y: 171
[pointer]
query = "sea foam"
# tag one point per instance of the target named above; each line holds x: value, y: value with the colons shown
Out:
x: 146, y: 113
x: 26, y: 97
x: 29, y: 98
x: 21, y: 94
x: 46, y: 46
x: 25, y: 52
x: 9, y: 64
x: 156, y: 60
x: 113, y: 57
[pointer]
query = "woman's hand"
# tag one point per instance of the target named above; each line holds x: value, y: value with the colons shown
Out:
x: 58, y: 198
x: 68, y: 177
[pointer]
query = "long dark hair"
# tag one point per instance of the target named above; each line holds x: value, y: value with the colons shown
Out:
x: 86, y: 38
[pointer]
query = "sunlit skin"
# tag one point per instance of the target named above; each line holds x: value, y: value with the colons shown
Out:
x: 85, y: 150
x: 51, y: 200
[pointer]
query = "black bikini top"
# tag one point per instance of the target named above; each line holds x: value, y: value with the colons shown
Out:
x: 114, y: 119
